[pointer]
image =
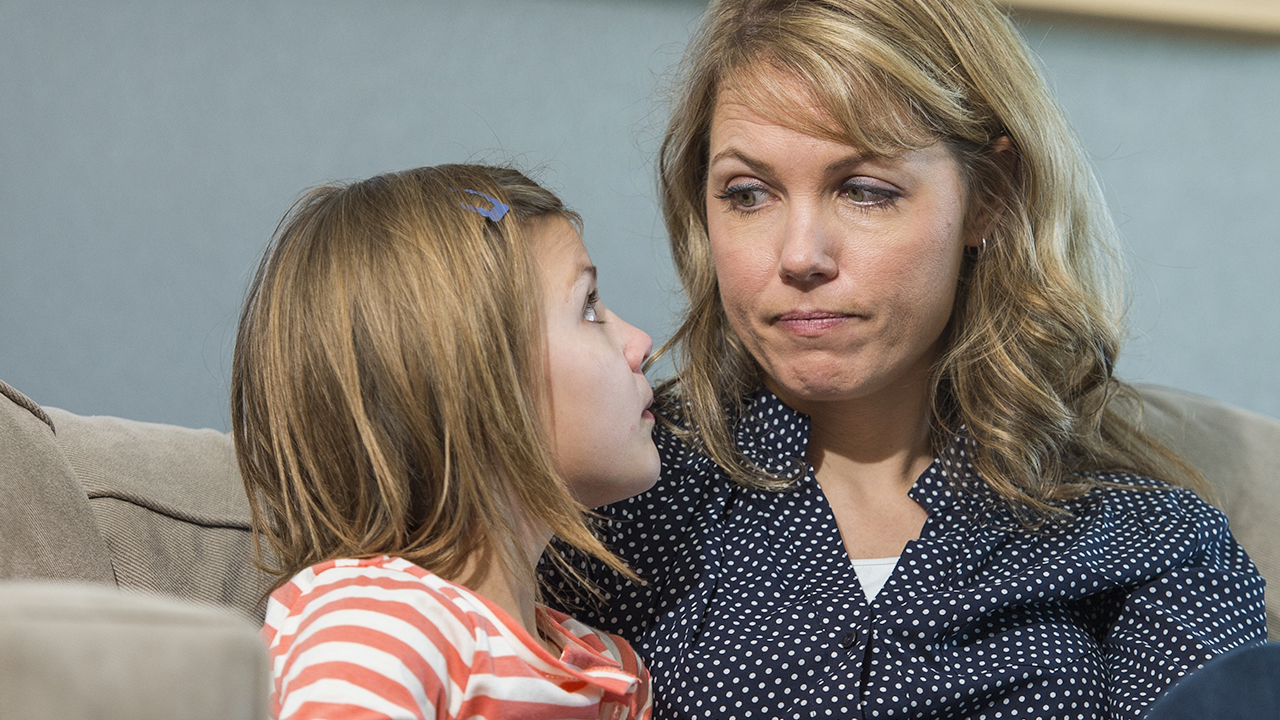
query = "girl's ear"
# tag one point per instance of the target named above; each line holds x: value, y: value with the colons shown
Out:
x: 1003, y: 164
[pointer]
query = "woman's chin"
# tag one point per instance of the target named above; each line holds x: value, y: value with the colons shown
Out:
x: 801, y: 386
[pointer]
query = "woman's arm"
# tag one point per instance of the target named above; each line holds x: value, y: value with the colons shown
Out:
x: 1176, y: 623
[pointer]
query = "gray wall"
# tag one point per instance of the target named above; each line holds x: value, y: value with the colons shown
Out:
x: 1184, y: 130
x: 147, y: 149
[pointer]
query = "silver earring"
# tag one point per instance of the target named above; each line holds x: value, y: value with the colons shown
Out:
x: 974, y: 251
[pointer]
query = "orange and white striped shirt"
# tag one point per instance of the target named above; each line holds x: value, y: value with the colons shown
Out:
x: 384, y: 638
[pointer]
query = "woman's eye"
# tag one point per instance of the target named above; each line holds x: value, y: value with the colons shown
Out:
x: 589, y: 310
x: 744, y: 197
x: 868, y: 195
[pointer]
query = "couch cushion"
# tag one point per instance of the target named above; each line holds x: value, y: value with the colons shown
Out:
x: 1238, y: 452
x: 170, y: 505
x: 174, y: 513
x: 47, y: 529
x: 80, y: 651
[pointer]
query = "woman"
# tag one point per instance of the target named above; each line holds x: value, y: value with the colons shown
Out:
x: 893, y: 481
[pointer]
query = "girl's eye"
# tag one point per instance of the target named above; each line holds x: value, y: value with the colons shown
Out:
x: 589, y: 310
x: 744, y: 197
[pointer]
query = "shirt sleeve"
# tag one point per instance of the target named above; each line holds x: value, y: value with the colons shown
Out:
x: 369, y: 647
x: 641, y: 702
x: 1182, y: 619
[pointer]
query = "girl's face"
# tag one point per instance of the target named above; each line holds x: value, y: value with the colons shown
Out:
x: 837, y: 269
x: 601, y: 427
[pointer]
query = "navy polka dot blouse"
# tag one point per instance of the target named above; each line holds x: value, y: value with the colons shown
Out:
x: 753, y: 609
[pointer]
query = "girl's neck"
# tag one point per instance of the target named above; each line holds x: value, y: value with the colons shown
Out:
x: 514, y: 592
x: 515, y: 597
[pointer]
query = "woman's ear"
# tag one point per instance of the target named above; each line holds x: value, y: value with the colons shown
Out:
x: 1001, y: 169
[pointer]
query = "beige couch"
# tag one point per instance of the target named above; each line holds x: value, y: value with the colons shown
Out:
x: 89, y: 651
x: 161, y: 509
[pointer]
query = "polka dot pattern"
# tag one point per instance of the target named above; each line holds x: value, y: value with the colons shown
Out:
x: 752, y: 608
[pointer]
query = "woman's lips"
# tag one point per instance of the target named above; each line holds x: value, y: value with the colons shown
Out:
x: 811, y: 323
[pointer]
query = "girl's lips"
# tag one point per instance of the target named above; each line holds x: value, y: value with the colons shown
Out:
x: 812, y: 323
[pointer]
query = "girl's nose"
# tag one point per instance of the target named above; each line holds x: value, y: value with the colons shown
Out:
x: 636, y: 345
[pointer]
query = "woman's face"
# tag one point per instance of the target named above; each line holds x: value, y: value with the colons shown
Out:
x: 600, y: 425
x: 837, y: 269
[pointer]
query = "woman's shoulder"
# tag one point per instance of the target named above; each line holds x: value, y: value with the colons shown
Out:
x: 673, y: 438
x: 692, y: 489
x: 1156, y: 502
x: 644, y: 528
x: 1126, y: 534
x: 1152, y: 517
x: 654, y: 532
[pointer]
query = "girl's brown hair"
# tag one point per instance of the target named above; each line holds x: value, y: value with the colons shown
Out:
x: 387, y: 387
x: 1028, y: 358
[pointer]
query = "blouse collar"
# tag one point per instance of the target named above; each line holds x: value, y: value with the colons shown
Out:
x: 776, y: 438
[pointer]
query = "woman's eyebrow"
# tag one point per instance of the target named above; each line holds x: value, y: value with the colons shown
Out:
x: 758, y: 166
x: 847, y: 163
x: 840, y: 165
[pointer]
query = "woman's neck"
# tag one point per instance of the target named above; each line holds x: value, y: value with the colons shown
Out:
x: 866, y: 454
x: 884, y: 437
x: 888, y: 428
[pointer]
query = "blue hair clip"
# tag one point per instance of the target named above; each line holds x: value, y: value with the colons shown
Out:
x: 494, y: 213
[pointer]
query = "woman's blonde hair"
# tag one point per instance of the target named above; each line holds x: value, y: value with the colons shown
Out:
x: 1036, y: 327
x: 388, y: 382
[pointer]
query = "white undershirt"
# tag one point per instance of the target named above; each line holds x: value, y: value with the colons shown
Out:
x: 873, y: 574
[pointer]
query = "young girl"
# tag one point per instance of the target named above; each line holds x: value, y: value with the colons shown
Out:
x: 426, y: 390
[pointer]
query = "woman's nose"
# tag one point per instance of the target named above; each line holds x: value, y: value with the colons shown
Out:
x: 806, y: 257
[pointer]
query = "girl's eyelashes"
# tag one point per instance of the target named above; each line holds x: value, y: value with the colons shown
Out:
x: 589, y: 310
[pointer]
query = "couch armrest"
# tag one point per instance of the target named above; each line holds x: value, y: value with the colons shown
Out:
x: 86, y: 651
x: 47, y: 529
x: 170, y: 504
